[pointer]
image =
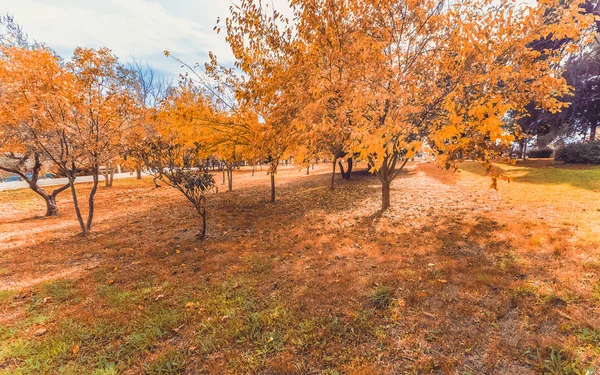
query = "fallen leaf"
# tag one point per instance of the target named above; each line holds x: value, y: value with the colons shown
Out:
x: 40, y: 332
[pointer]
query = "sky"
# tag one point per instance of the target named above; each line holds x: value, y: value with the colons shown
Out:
x: 143, y: 29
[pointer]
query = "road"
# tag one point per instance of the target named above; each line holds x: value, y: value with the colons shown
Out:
x: 15, y: 185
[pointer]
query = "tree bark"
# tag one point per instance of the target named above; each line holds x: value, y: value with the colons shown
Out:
x: 51, y: 206
x: 230, y: 179
x: 333, y: 176
x: 593, y: 132
x: 106, y: 182
x: 385, y: 195
x: 90, y: 217
x: 350, y: 166
x: 342, y: 172
x: 76, y: 205
x: 138, y: 173
x: 272, y: 187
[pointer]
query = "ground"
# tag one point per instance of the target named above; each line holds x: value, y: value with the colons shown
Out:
x: 456, y: 278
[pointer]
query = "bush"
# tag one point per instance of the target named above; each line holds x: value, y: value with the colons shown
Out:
x: 541, y: 153
x: 580, y: 153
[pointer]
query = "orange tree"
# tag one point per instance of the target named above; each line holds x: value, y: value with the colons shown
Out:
x: 103, y: 107
x: 33, y: 109
x: 429, y: 72
x: 269, y: 55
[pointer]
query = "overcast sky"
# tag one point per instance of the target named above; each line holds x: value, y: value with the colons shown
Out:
x: 140, y: 28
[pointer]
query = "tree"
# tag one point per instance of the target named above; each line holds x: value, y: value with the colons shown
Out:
x: 103, y: 108
x: 31, y: 100
x: 150, y: 91
x: 583, y: 74
x: 268, y: 53
x: 180, y: 167
x: 18, y: 152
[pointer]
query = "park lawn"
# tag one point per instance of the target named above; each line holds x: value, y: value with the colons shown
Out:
x: 456, y: 278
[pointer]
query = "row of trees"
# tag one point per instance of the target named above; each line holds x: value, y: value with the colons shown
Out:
x: 375, y: 80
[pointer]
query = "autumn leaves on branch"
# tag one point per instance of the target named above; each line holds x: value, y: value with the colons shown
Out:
x: 375, y: 80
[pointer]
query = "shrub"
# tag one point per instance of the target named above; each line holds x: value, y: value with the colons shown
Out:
x: 541, y: 153
x: 580, y: 153
x: 380, y: 297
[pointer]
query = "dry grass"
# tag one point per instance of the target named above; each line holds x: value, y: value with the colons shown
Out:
x: 454, y: 279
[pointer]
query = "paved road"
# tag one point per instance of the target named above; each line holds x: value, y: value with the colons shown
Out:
x: 15, y: 185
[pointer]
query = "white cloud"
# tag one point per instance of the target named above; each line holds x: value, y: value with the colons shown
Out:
x: 140, y: 28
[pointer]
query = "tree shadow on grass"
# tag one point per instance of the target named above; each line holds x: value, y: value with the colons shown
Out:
x: 448, y: 283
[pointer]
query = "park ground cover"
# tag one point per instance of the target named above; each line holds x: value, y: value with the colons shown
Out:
x: 454, y: 278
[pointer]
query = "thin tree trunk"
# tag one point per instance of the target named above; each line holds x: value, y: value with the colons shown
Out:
x: 112, y: 177
x: 230, y: 179
x: 333, y: 176
x: 272, y: 187
x: 106, y: 182
x: 593, y: 132
x: 342, y: 172
x: 223, y: 170
x: 202, y: 212
x: 138, y: 173
x: 156, y: 184
x: 308, y: 170
x: 76, y: 205
x: 385, y: 195
x: 90, y: 217
x: 350, y: 166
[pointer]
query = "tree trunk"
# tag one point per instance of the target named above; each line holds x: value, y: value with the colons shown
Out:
x: 51, y: 206
x: 272, y: 187
x: 106, y: 182
x: 138, y: 173
x: 350, y: 166
x: 593, y: 132
x: 90, y: 217
x: 342, y: 172
x: 156, y: 184
x: 230, y: 179
x: 333, y: 176
x: 202, y: 234
x: 308, y: 170
x: 111, y: 178
x: 223, y: 170
x: 76, y: 205
x: 385, y: 195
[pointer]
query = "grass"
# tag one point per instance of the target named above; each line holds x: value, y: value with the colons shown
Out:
x: 454, y: 279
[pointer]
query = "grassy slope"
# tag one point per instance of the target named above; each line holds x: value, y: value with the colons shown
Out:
x: 455, y: 278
